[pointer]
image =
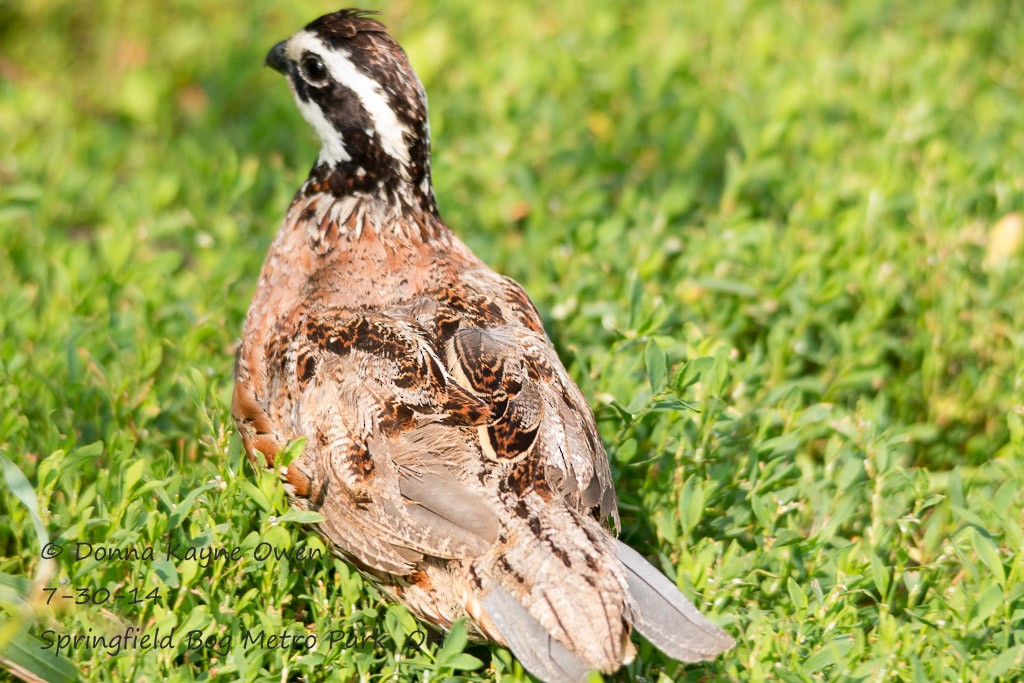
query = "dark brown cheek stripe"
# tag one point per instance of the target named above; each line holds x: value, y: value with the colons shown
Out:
x: 301, y: 88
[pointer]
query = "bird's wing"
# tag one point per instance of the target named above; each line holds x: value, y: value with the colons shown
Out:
x: 386, y: 461
x: 536, y: 410
x: 491, y: 339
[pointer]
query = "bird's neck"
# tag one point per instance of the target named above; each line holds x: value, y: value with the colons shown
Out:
x: 367, y: 170
x: 364, y: 251
x: 334, y: 215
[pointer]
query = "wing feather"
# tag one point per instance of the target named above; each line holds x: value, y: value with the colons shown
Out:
x: 375, y: 391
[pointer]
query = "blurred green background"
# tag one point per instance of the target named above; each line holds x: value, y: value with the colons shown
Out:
x: 778, y: 244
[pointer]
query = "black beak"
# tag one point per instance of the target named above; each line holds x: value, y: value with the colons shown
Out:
x: 276, y: 58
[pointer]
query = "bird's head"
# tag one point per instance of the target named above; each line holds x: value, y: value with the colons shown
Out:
x: 354, y: 85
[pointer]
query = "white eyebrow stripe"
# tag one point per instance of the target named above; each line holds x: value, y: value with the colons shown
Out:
x: 386, y: 124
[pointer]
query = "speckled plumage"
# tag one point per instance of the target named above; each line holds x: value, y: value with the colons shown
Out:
x: 454, y: 460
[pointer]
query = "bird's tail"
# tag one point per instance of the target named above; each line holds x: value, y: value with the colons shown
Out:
x: 563, y: 594
x: 664, y: 616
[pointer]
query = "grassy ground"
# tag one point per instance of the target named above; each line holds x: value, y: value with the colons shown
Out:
x: 776, y: 244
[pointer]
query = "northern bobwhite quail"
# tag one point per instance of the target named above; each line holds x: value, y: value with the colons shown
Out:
x: 453, y: 459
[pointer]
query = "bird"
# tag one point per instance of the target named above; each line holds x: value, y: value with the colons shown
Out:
x: 452, y: 458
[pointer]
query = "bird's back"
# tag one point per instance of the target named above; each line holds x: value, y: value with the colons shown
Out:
x: 444, y: 438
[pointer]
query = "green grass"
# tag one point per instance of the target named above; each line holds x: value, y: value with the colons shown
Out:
x: 785, y: 215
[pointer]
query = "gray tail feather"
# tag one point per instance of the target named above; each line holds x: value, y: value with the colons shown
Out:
x: 533, y: 646
x: 665, y: 617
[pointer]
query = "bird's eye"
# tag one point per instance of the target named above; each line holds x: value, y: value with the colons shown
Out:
x: 314, y: 70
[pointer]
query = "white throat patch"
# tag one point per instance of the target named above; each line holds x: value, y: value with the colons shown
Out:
x: 332, y: 150
x: 385, y: 124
